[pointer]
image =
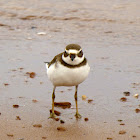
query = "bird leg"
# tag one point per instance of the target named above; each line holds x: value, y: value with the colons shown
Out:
x: 52, y: 114
x: 77, y: 115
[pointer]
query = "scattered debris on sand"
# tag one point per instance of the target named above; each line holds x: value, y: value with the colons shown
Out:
x: 122, y: 123
x: 62, y: 104
x: 37, y: 125
x: 10, y: 135
x: 41, y: 33
x: 6, y: 84
x: 57, y: 119
x: 44, y: 137
x: 56, y: 112
x: 84, y: 97
x: 109, y: 138
x: 34, y: 101
x: 61, y: 128
x: 134, y: 136
x: 18, y: 118
x: 21, y: 68
x: 86, y: 119
x: 122, y: 132
x: 61, y: 121
x: 90, y: 100
x: 126, y: 93
x: 136, y: 96
x: 31, y: 74
x: 15, y: 106
x: 123, y: 99
x: 137, y: 110
x: 120, y: 120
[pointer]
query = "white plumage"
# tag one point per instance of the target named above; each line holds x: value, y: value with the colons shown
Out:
x: 63, y: 76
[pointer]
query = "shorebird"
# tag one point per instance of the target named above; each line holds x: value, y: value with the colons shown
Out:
x: 69, y: 68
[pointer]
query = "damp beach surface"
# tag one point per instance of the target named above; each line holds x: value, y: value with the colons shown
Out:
x: 33, y: 32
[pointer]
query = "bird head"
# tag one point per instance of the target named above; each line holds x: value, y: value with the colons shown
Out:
x: 73, y: 54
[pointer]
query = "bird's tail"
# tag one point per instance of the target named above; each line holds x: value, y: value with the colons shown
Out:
x: 47, y: 64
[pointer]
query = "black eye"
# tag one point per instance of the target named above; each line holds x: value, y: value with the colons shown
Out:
x: 80, y: 54
x: 65, y: 54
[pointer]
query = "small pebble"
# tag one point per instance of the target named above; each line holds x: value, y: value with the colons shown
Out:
x: 90, y: 101
x: 63, y: 105
x: 134, y: 136
x: 15, y: 106
x: 21, y: 68
x: 31, y: 74
x: 6, y: 84
x: 122, y: 123
x: 86, y: 119
x: 56, y: 112
x: 109, y: 138
x: 61, y: 121
x: 120, y: 120
x: 122, y: 132
x: 10, y: 135
x: 37, y: 125
x: 41, y: 33
x: 136, y: 96
x: 34, y: 101
x: 44, y: 137
x: 18, y: 118
x: 137, y: 110
x: 126, y: 93
x: 123, y: 99
x: 57, y: 119
x: 61, y: 128
x: 84, y: 97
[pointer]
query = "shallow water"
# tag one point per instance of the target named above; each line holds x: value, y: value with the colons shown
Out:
x: 109, y: 35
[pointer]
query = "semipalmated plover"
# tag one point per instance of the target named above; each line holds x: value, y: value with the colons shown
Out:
x: 69, y: 68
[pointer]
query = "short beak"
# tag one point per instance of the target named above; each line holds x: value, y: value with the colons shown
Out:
x: 72, y: 56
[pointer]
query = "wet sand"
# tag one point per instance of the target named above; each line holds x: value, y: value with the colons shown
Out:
x: 109, y: 35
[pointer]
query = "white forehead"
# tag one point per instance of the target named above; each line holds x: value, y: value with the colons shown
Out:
x: 73, y: 51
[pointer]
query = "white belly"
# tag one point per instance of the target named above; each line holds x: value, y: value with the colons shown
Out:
x: 63, y: 76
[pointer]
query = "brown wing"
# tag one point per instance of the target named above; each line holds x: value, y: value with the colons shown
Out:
x: 55, y: 59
